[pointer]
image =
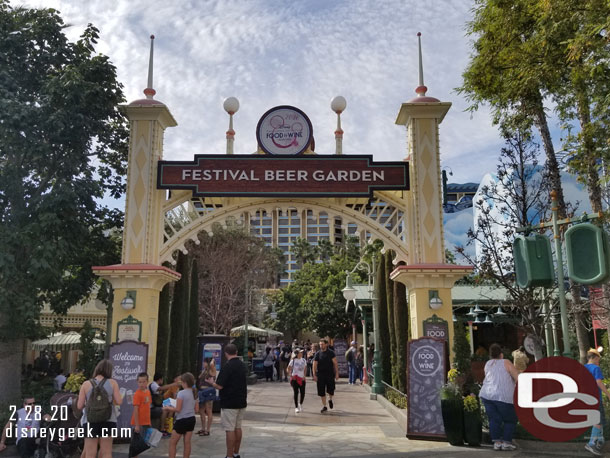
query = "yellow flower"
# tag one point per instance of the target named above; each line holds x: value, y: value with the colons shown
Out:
x: 74, y: 382
x: 452, y: 375
x: 470, y: 403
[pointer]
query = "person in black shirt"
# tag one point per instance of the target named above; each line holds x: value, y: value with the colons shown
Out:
x: 325, y: 372
x: 232, y: 384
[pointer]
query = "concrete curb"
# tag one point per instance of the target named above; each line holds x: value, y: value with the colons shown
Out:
x: 399, y: 414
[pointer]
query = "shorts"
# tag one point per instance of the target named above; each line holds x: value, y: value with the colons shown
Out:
x: 326, y: 384
x: 230, y: 419
x: 102, y: 429
x: 184, y: 425
x: 207, y: 394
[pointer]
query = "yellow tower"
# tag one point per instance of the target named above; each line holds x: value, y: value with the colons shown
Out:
x: 139, y: 278
x: 427, y: 277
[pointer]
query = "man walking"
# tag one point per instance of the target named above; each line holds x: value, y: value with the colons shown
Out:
x: 233, y: 394
x: 350, y: 357
x: 325, y: 372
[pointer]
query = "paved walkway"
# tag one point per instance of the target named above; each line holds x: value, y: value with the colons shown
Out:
x: 356, y: 427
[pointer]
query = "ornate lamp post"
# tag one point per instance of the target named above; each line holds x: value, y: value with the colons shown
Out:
x: 349, y: 293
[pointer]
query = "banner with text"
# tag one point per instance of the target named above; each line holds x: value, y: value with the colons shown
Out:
x: 128, y: 358
x: 302, y: 176
x: 425, y: 376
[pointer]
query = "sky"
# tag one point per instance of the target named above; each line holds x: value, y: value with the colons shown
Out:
x: 301, y: 53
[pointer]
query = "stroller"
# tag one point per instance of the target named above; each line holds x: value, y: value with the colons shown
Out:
x: 67, y: 417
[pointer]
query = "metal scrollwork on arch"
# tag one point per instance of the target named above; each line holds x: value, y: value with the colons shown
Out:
x: 380, y: 218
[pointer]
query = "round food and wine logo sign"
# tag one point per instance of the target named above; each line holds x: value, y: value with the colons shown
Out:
x: 284, y: 130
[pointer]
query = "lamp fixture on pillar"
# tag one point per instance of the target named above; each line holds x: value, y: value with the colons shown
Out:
x: 231, y: 105
x: 338, y: 105
x: 129, y: 301
x: 349, y: 293
x: 434, y: 302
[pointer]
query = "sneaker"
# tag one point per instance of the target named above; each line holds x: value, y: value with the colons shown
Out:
x: 324, y: 409
x: 330, y: 403
x: 498, y: 445
x: 508, y: 446
x: 593, y: 449
x: 296, y: 410
x: 300, y: 408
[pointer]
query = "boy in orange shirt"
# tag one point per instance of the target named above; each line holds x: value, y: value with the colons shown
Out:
x: 141, y: 405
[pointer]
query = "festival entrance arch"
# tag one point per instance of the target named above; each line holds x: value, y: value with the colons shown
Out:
x: 398, y: 203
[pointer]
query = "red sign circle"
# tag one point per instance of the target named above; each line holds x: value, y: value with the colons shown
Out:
x: 541, y: 382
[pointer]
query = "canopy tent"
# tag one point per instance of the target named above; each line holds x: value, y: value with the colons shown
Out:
x: 64, y: 342
x: 254, y: 331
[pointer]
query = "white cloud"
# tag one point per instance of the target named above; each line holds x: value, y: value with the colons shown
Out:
x: 297, y: 53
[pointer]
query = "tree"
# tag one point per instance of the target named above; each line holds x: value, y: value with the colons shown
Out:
x: 383, y: 324
x: 303, y: 251
x: 401, y: 330
x: 88, y: 360
x: 315, y: 298
x: 516, y: 199
x: 505, y: 71
x: 230, y: 262
x: 62, y: 148
x: 163, y: 331
x: 325, y: 249
x: 192, y: 329
x: 461, y: 350
x: 179, y: 318
x: 389, y: 293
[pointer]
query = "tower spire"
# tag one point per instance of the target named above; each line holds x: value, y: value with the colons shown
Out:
x: 421, y: 89
x: 149, y: 91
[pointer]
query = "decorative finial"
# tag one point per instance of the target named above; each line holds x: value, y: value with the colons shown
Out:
x: 421, y: 89
x: 338, y: 105
x: 149, y: 91
x: 231, y: 105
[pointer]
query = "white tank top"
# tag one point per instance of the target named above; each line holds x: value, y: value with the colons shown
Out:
x: 498, y: 384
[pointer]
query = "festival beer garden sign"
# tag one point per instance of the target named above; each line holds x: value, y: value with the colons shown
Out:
x: 283, y: 134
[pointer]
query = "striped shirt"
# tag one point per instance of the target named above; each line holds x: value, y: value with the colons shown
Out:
x: 498, y: 384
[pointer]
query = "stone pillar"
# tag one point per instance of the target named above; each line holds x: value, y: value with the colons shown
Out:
x: 426, y: 272
x: 140, y: 271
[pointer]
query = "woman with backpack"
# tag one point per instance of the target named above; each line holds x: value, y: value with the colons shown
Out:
x: 97, y: 397
x: 268, y: 363
x: 360, y: 364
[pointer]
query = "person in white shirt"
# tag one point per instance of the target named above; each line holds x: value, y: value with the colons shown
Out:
x: 296, y: 368
x: 59, y: 380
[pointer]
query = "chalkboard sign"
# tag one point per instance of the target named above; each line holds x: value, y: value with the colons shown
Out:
x: 425, y: 376
x: 340, y: 347
x: 128, y: 358
x: 436, y: 327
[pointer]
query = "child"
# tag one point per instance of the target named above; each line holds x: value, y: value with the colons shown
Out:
x: 596, y: 442
x: 169, y: 391
x: 186, y: 408
x: 141, y: 405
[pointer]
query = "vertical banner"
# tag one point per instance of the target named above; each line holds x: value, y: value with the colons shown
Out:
x: 129, y: 358
x: 340, y: 347
x: 425, y: 376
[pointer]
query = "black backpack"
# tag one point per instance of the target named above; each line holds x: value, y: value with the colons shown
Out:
x: 98, y: 408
